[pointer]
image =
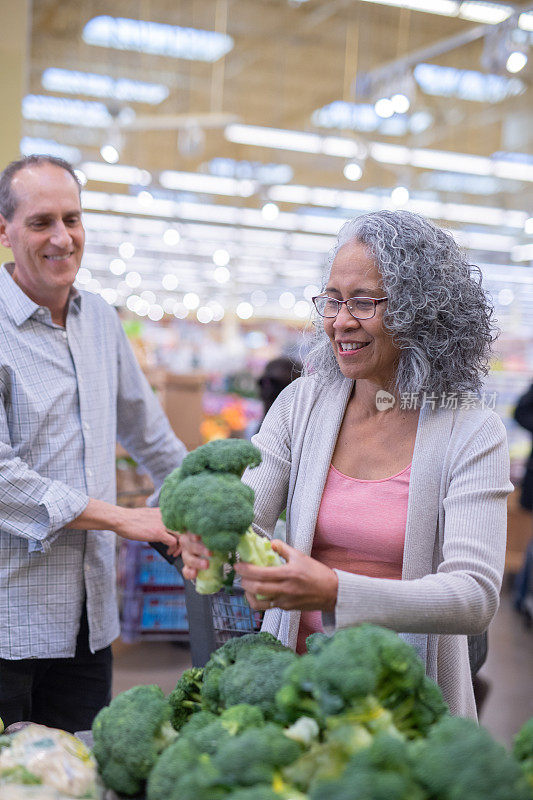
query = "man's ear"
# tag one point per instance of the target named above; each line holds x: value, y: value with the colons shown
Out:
x: 4, y: 238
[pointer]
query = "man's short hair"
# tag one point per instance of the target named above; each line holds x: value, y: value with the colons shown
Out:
x: 8, y: 201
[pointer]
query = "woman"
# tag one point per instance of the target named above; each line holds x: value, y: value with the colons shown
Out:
x: 395, y: 483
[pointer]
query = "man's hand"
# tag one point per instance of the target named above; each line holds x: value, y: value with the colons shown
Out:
x: 138, y: 524
x: 302, y: 583
x: 195, y: 555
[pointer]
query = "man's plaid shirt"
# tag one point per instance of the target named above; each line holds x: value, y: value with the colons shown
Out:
x: 67, y: 395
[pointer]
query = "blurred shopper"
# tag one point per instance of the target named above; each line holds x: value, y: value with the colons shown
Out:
x: 69, y: 387
x: 394, y: 475
x: 277, y: 374
x: 523, y: 587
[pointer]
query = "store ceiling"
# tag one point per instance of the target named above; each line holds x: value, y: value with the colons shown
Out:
x: 288, y: 61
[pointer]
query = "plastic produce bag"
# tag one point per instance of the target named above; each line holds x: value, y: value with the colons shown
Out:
x: 46, y: 764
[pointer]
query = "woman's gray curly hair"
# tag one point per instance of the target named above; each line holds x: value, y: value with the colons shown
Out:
x: 437, y: 310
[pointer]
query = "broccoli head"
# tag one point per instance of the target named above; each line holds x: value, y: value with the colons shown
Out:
x: 254, y: 756
x: 221, y: 455
x: 357, y: 662
x: 231, y: 651
x: 523, y: 750
x: 380, y: 771
x: 183, y: 772
x: 238, y: 718
x: 129, y: 734
x: 185, y: 699
x: 255, y: 679
x: 459, y: 759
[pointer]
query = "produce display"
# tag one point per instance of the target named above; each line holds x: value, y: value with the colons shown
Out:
x: 354, y: 719
x: 40, y: 763
x: 205, y: 496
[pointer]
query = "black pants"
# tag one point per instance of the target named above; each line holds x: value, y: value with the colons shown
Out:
x: 62, y: 693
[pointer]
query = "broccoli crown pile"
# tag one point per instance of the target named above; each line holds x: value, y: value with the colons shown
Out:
x: 205, y: 496
x: 354, y: 719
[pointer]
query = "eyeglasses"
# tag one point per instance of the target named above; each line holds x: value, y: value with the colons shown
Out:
x: 359, y: 307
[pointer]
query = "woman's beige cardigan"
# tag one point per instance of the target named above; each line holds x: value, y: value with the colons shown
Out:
x: 456, y: 524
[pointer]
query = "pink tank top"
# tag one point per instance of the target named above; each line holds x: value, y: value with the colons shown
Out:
x: 361, y: 529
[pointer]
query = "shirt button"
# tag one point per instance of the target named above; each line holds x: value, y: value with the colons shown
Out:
x: 89, y: 473
x: 86, y: 426
x: 40, y: 311
x: 64, y: 334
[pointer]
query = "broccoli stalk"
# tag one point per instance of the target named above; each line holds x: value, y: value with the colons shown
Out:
x: 205, y: 496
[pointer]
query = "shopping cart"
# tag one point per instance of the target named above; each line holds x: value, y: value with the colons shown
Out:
x: 213, y: 619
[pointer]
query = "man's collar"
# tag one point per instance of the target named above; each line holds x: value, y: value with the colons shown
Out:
x: 17, y: 304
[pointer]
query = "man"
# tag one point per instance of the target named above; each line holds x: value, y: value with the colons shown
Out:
x: 70, y: 387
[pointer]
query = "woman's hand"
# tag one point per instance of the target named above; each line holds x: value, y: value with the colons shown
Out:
x: 302, y: 583
x: 195, y: 555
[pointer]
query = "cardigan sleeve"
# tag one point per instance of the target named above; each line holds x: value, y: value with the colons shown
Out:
x: 462, y: 596
x: 270, y: 480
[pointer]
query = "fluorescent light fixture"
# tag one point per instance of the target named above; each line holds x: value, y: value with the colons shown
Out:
x: 448, y: 8
x: 445, y: 160
x: 522, y: 252
x: 109, y: 153
x: 208, y: 184
x: 486, y: 13
x: 250, y: 170
x: 66, y: 81
x: 157, y: 38
x: 466, y: 84
x: 30, y: 146
x: 353, y: 171
x: 65, y: 111
x: 299, y: 141
x: 116, y: 173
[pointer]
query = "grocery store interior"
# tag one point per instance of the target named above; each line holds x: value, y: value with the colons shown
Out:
x: 221, y: 144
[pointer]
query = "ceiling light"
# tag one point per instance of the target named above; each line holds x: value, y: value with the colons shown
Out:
x: 516, y: 61
x: 466, y: 84
x: 528, y: 226
x: 399, y: 196
x: 149, y: 296
x: 110, y: 295
x: 302, y: 309
x: 204, y: 315
x: 133, y: 279
x: 171, y: 237
x: 126, y: 250
x: 110, y: 173
x: 244, y: 310
x: 216, y: 309
x: 109, y: 153
x: 180, y: 311
x: 270, y: 211
x: 447, y: 8
x: 222, y: 274
x: 384, y: 108
x: 221, y: 257
x: 191, y: 301
x: 30, y: 146
x: 73, y: 82
x: 400, y: 103
x: 117, y: 266
x: 505, y: 297
x: 287, y: 300
x: 169, y: 282
x: 83, y: 276
x: 157, y: 38
x: 311, y: 291
x: 525, y: 21
x: 352, y: 171
x: 156, y: 312
x: 81, y: 176
x: 65, y: 111
x: 210, y: 184
x: 299, y: 141
x: 145, y: 198
x: 486, y: 13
